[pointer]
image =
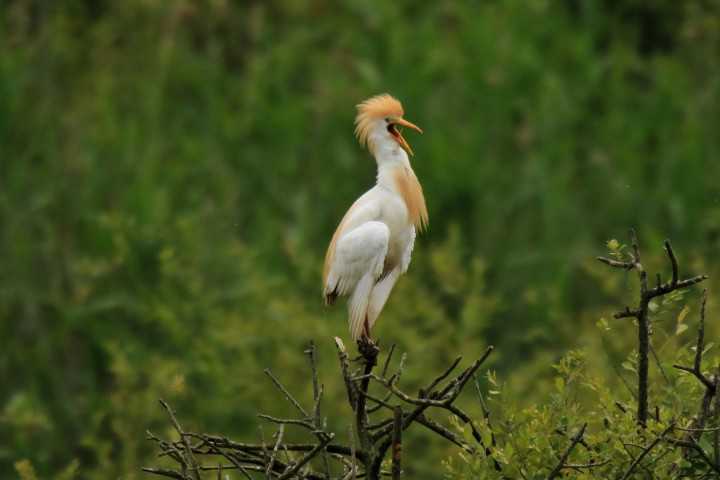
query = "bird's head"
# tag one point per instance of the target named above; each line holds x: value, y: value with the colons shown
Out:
x: 379, y: 120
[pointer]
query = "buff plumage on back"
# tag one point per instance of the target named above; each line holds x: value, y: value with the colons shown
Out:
x: 412, y: 194
x: 379, y: 106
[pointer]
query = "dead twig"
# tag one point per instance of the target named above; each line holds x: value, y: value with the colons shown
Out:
x: 285, y: 392
x: 190, y: 457
x: 397, y: 443
x: 279, y: 459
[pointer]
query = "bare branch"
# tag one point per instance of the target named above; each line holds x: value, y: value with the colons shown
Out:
x: 701, y: 430
x: 443, y: 375
x: 353, y: 470
x: 387, y: 360
x: 616, y: 263
x: 164, y: 472
x: 700, y: 346
x: 289, y: 421
x: 635, y: 246
x: 699, y: 375
x: 646, y: 450
x: 397, y: 443
x: 232, y: 459
x: 627, y: 313
x: 285, y: 392
x: 673, y: 263
x: 369, y: 351
x: 668, y: 287
x: 454, y: 386
x: 579, y: 466
x: 380, y: 402
x: 693, y: 445
x: 274, y: 459
x: 641, y: 312
x: 184, y: 440
x: 306, y: 458
x: 271, y: 463
x: 443, y: 432
x: 345, y: 368
x: 561, y: 464
x: 396, y: 376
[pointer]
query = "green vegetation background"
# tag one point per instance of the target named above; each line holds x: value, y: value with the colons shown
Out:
x: 171, y: 172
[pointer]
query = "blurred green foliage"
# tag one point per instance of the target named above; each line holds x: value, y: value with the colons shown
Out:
x: 530, y: 441
x: 171, y: 172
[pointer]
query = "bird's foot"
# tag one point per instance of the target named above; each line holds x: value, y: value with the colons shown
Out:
x: 369, y: 350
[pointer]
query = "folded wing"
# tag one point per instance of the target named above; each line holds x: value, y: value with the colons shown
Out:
x: 355, y: 266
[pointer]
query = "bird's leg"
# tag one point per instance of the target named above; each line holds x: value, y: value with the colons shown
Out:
x: 366, y: 328
x: 368, y: 349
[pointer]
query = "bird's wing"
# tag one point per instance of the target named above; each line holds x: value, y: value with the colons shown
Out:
x: 357, y: 266
x: 365, y: 209
x: 358, y: 251
x: 361, y: 255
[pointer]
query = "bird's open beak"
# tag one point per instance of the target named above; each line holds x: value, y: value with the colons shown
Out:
x: 398, y: 136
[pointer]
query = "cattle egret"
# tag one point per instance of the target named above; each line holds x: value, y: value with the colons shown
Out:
x: 372, y: 245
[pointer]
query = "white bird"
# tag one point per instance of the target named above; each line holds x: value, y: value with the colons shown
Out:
x: 372, y: 245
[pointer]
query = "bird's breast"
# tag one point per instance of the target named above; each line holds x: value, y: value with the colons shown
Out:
x: 394, y: 214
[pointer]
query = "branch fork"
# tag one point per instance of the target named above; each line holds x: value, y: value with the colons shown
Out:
x: 323, y: 459
x: 641, y: 312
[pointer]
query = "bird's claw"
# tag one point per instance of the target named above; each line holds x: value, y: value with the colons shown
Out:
x: 368, y: 349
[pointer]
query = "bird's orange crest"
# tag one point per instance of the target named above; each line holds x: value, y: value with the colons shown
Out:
x: 379, y: 106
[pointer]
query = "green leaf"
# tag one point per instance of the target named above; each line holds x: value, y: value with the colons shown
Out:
x: 681, y: 328
x: 683, y: 313
x: 25, y: 470
x: 603, y: 324
x: 486, y: 434
x: 69, y: 472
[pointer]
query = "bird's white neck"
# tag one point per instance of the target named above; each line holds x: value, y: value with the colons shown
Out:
x: 389, y: 157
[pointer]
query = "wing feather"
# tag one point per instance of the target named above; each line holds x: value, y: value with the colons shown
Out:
x: 365, y: 209
x: 357, y: 265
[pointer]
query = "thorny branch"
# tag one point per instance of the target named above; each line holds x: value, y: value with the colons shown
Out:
x: 379, y: 422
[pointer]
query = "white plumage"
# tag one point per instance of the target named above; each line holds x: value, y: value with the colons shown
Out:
x: 372, y: 246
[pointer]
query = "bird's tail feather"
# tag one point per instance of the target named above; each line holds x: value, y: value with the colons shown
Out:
x: 358, y: 305
x: 379, y: 295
